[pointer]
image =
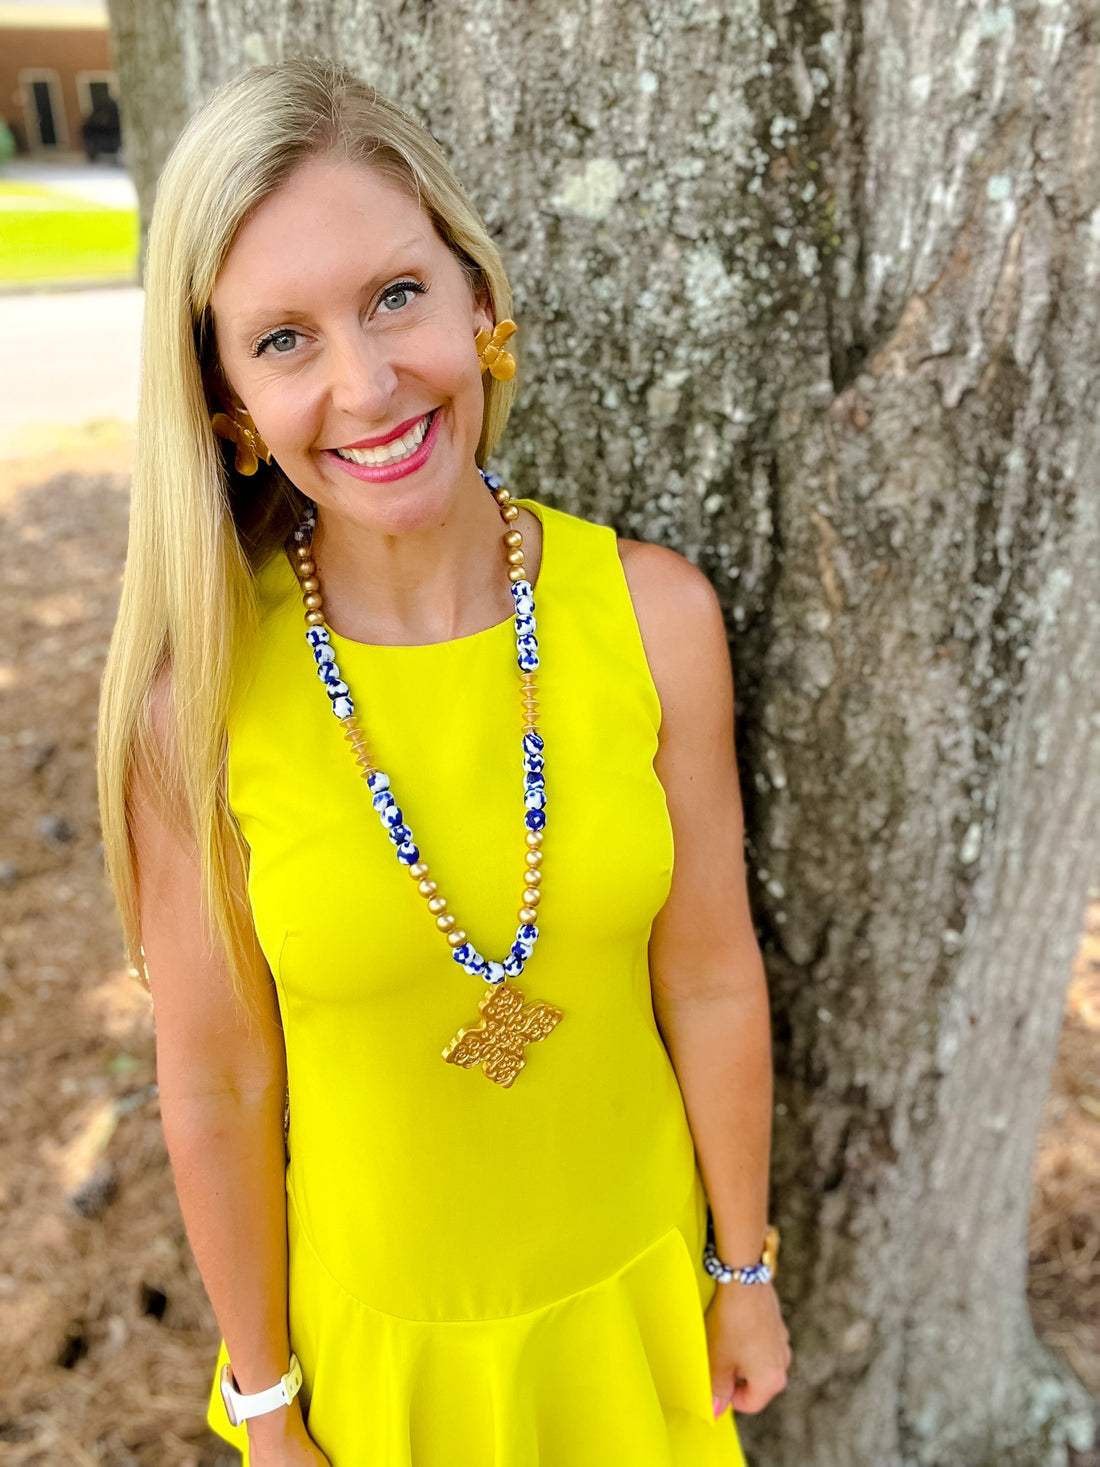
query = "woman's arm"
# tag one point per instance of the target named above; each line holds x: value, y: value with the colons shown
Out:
x: 221, y: 1080
x: 709, y: 989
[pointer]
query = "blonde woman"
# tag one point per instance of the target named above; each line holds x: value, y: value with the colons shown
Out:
x: 393, y: 770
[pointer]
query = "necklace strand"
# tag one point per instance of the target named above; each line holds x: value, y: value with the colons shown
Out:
x: 382, y: 796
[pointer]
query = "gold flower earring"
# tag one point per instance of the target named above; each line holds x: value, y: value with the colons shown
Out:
x: 250, y: 446
x: 501, y: 364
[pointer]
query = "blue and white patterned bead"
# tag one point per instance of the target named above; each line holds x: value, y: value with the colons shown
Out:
x: 522, y: 588
x: 390, y: 815
x: 494, y: 972
x: 528, y: 661
x: 527, y: 644
x: 527, y: 932
x: 532, y: 743
x: 399, y: 834
x: 317, y: 636
x: 475, y: 965
x: 534, y: 779
x: 338, y: 689
x: 382, y: 798
x: 492, y: 482
x: 328, y: 672
x: 534, y: 799
x: 343, y: 707
x: 525, y: 626
x: 324, y: 652
x: 525, y: 606
x: 463, y: 954
x: 408, y: 854
x: 513, y: 966
x: 521, y: 951
x: 534, y: 820
x: 377, y: 782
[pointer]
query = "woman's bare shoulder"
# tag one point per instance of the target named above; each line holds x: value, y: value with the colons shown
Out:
x: 679, y: 617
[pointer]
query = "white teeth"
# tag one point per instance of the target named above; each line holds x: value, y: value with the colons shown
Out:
x: 388, y: 453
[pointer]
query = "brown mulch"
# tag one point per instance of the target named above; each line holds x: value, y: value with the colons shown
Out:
x: 106, y: 1339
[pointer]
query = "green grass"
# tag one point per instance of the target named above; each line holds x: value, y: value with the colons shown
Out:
x: 73, y: 240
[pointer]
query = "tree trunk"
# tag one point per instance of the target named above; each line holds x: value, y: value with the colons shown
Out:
x: 809, y: 292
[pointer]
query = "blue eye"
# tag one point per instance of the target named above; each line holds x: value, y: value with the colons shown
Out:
x: 401, y: 292
x: 283, y: 341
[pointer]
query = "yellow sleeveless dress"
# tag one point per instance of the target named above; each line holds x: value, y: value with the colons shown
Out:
x: 479, y: 1276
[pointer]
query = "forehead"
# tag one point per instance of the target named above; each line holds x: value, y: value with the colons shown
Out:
x: 330, y: 224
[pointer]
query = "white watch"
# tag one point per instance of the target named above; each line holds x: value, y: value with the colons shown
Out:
x: 239, y: 1408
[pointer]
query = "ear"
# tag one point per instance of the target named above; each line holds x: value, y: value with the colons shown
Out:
x: 484, y: 318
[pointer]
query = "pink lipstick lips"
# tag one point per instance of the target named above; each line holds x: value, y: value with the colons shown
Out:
x: 386, y: 473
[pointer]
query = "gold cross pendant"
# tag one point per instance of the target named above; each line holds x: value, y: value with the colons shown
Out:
x: 506, y: 1026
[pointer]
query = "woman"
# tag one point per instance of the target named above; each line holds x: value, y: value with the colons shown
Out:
x: 488, y: 1242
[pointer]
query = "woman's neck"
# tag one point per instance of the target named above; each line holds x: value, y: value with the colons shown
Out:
x: 445, y: 581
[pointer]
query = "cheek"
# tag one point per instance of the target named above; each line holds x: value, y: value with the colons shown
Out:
x: 286, y: 416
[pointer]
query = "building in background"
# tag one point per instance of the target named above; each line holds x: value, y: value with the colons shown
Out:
x: 58, y: 89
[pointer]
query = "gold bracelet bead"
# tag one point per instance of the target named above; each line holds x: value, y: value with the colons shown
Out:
x: 531, y: 897
x: 513, y: 539
x: 533, y: 858
x: 445, y: 922
x: 305, y: 568
x: 456, y: 937
x: 516, y: 573
x: 428, y: 888
x: 437, y: 905
x: 310, y: 584
x: 528, y: 916
x: 502, y: 495
x: 533, y: 877
x: 515, y: 557
x: 314, y: 602
x: 303, y: 552
x: 418, y: 870
x: 315, y: 618
x: 534, y: 839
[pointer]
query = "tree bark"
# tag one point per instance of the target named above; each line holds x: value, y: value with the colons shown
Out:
x: 809, y: 292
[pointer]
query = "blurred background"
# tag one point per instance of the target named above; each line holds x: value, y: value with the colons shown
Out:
x: 106, y: 1340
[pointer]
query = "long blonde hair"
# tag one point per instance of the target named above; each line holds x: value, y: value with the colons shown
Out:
x: 198, y: 531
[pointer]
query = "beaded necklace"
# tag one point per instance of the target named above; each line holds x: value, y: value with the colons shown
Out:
x: 507, y: 1023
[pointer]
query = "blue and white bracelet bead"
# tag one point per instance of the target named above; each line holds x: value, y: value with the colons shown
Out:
x: 383, y: 799
x: 753, y: 1273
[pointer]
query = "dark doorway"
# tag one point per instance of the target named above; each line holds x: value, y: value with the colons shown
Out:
x: 43, y: 112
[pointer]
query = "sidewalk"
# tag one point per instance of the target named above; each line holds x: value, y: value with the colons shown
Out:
x: 72, y: 359
x: 93, y: 183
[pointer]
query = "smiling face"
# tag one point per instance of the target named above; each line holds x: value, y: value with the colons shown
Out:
x: 345, y: 327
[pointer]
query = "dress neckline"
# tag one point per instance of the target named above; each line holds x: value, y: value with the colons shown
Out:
x: 487, y: 634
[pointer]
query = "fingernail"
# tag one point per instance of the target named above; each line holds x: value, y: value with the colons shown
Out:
x: 718, y: 1407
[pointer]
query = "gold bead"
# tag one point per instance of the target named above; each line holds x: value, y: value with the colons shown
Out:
x: 534, y: 838
x: 456, y: 937
x: 531, y: 896
x: 315, y: 618
x: 501, y: 495
x: 509, y: 512
x: 533, y: 878
x: 311, y: 583
x: 533, y: 858
x: 427, y: 888
x: 306, y: 567
x: 528, y: 914
x: 314, y: 602
x: 418, y: 870
x: 516, y: 573
x: 445, y: 922
x: 436, y: 905
x: 513, y: 538
x: 515, y: 557
x: 304, y: 552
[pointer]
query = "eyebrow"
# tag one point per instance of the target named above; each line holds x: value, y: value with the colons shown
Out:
x: 246, y: 327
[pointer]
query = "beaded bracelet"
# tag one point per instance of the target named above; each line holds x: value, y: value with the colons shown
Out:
x: 755, y: 1273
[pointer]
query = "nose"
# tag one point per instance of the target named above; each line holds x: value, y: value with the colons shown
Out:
x: 362, y: 377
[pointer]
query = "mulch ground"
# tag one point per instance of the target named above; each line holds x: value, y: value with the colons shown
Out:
x: 107, y: 1341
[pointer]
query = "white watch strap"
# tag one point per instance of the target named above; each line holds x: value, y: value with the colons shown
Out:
x: 239, y: 1408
